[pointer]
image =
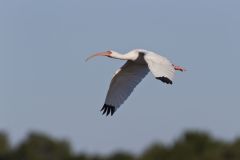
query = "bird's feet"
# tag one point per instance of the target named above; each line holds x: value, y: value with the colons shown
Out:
x: 179, y: 68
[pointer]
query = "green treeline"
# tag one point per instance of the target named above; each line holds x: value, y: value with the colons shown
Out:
x: 190, y: 146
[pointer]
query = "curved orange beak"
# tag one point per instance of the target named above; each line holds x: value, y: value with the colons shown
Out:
x: 107, y: 53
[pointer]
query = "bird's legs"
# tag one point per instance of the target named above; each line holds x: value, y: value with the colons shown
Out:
x: 179, y: 68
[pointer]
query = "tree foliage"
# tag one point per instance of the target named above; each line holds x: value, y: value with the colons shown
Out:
x: 4, y: 146
x: 190, y: 146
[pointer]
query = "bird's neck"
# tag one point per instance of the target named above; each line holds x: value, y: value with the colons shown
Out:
x: 126, y: 56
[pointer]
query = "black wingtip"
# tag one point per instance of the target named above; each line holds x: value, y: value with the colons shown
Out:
x: 108, y: 109
x: 164, y: 79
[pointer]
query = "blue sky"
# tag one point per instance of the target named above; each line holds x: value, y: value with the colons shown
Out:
x: 46, y: 86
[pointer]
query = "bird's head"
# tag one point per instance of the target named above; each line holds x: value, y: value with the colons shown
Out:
x: 132, y: 55
x: 107, y: 53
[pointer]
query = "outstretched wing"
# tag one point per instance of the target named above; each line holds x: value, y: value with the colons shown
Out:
x: 122, y: 85
x: 161, y: 67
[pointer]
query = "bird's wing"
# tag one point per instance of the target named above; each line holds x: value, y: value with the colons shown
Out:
x: 160, y: 67
x: 122, y: 84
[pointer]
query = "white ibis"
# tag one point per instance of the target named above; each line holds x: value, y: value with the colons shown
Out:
x: 138, y: 64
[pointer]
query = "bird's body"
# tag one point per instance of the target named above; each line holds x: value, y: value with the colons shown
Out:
x: 139, y: 63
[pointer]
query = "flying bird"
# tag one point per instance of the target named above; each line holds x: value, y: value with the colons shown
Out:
x: 139, y: 63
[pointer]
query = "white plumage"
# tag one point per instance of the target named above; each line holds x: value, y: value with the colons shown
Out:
x: 138, y: 64
x: 124, y: 82
x: 160, y: 66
